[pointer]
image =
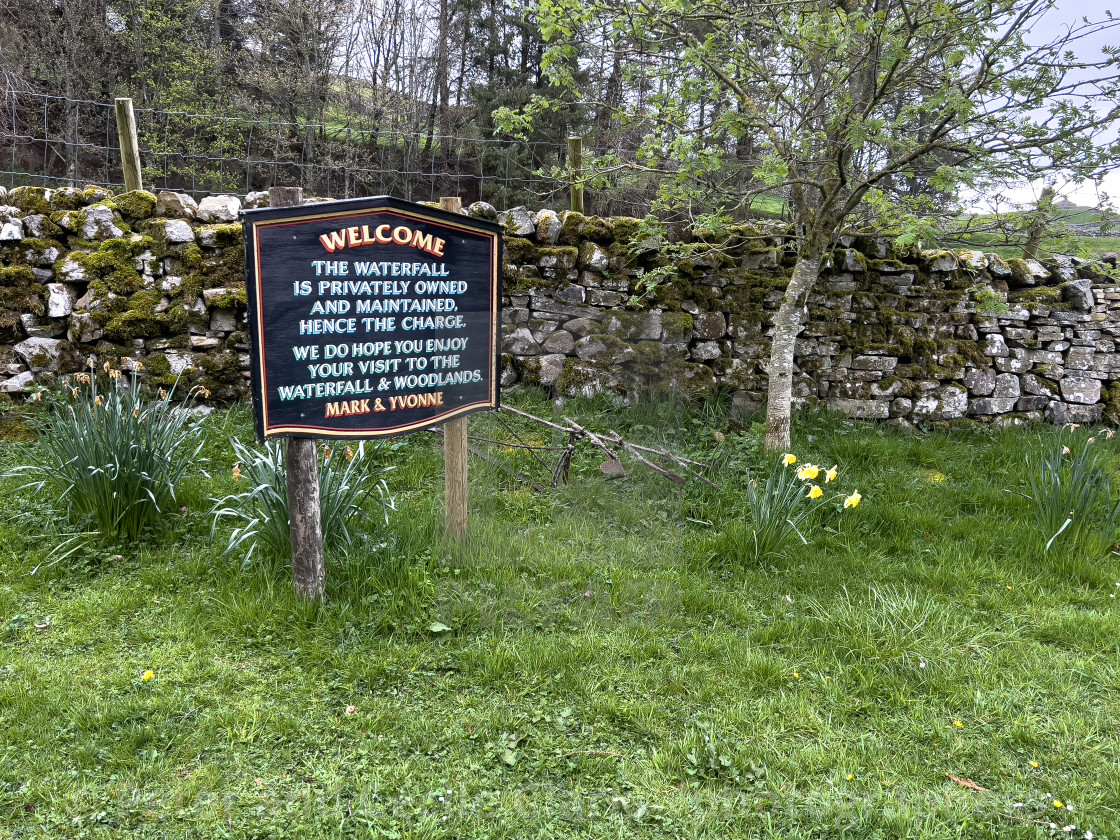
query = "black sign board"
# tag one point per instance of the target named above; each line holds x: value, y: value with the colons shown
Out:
x: 370, y: 317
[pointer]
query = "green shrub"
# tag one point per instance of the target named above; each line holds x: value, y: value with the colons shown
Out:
x: 112, y: 455
x: 778, y: 508
x: 1071, y: 497
x: 346, y: 485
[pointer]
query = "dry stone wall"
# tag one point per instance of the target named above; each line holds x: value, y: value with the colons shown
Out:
x: 920, y: 336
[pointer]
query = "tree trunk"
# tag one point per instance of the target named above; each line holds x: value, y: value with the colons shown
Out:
x: 787, y: 326
x: 1039, y: 223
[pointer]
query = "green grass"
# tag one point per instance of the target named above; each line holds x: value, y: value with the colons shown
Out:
x: 606, y: 672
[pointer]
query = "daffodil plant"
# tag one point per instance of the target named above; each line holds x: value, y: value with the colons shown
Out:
x: 778, y: 508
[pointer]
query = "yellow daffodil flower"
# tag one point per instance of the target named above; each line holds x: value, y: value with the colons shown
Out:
x: 830, y: 474
x: 349, y: 454
x: 98, y: 400
x: 163, y: 393
x: 815, y: 492
x: 808, y: 472
x: 136, y: 412
x: 789, y: 460
x: 853, y: 500
x: 137, y: 366
x: 236, y: 472
x: 105, y: 367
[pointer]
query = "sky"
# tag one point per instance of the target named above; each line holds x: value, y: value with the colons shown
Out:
x: 1065, y: 13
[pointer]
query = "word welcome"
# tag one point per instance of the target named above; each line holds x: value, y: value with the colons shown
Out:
x: 354, y: 237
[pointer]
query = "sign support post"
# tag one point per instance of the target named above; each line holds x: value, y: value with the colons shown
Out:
x: 455, y: 466
x: 302, y: 466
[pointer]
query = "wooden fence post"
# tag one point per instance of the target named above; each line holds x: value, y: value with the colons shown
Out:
x: 575, y: 169
x: 302, y: 466
x: 130, y: 145
x: 455, y: 447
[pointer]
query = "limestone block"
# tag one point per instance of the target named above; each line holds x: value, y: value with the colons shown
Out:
x: 1032, y: 403
x: 633, y: 326
x: 994, y: 345
x: 593, y: 258
x: 1077, y: 358
x: 483, y: 210
x: 571, y: 294
x: 40, y: 354
x: 882, y: 363
x: 176, y: 205
x: 862, y: 409
x: 60, y: 300
x: 709, y: 325
x: 517, y: 221
x: 11, y: 231
x: 219, y: 208
x: 223, y: 320
x: 901, y: 406
x: 99, y: 223
x: 1006, y: 387
x: 548, y: 225
x: 980, y: 381
x: 705, y: 351
x: 520, y: 342
x: 560, y: 341
x: 17, y: 383
x: 992, y: 405
x: 551, y: 366
x: 1078, y: 389
x: 1079, y: 295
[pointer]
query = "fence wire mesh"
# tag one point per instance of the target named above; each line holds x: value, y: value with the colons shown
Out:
x: 54, y: 141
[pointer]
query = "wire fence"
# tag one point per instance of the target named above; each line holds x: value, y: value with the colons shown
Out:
x: 54, y: 141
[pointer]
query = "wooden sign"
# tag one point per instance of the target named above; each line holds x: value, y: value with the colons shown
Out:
x: 371, y: 317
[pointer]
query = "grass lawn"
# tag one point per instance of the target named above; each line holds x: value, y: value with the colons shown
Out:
x: 919, y: 669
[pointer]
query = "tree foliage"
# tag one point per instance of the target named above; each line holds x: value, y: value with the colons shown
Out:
x: 885, y: 112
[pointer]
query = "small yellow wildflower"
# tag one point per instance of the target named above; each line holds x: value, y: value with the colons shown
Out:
x: 830, y: 474
x: 808, y: 472
x: 1058, y: 803
x: 853, y: 500
x: 236, y: 472
x: 815, y: 492
x: 796, y: 675
x: 958, y: 724
x: 850, y: 777
x: 1034, y: 764
x: 147, y: 676
x: 789, y: 460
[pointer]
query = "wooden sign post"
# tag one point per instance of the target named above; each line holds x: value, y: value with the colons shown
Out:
x: 301, y: 463
x: 370, y: 318
x: 455, y: 460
